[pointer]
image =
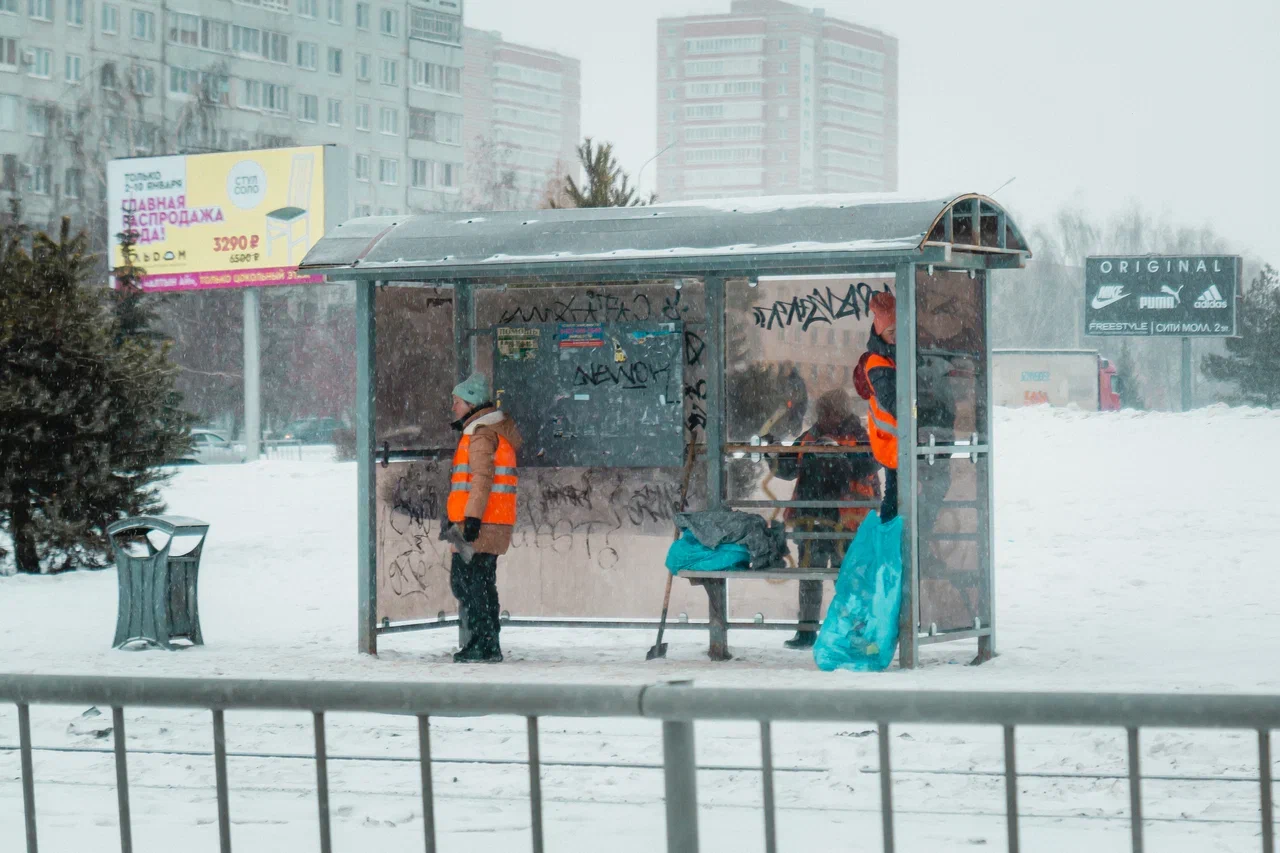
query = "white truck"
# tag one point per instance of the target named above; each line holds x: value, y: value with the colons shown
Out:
x: 1056, y: 377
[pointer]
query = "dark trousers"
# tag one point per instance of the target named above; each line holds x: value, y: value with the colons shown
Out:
x: 475, y: 585
x: 889, y: 503
x: 816, y: 554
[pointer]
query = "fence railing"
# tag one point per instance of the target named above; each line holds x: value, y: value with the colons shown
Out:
x: 677, y: 705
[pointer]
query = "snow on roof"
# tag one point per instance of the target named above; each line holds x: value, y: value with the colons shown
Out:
x: 771, y: 203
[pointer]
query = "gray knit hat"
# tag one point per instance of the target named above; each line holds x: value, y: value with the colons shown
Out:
x: 475, y: 390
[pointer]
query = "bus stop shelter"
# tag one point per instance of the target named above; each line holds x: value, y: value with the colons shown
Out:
x: 656, y: 309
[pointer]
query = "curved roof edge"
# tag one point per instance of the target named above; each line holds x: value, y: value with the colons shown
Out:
x: 768, y: 232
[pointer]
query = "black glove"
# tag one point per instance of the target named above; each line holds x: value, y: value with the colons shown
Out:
x: 471, y: 529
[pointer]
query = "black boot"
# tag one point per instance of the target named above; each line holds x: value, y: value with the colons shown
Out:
x: 802, y: 640
x: 475, y: 652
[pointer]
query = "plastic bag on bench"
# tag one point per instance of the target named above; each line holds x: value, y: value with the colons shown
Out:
x: 860, y: 630
x: 687, y: 553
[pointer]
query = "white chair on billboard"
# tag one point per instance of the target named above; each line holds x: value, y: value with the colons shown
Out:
x: 281, y: 222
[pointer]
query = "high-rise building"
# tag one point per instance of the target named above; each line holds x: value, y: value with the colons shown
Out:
x: 522, y: 118
x: 775, y: 98
x: 82, y: 81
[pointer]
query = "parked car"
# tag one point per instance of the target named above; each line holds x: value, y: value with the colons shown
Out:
x: 311, y: 430
x: 211, y: 448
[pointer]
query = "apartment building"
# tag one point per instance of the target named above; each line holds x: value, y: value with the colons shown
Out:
x: 775, y: 98
x: 82, y: 81
x: 522, y: 120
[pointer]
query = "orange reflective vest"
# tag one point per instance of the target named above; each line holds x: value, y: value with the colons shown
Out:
x: 882, y: 425
x: 501, y: 508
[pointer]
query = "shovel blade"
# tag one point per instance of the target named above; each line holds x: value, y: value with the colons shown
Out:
x: 658, y: 651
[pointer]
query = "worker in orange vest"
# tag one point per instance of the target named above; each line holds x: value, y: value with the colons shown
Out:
x: 877, y: 381
x: 482, y: 500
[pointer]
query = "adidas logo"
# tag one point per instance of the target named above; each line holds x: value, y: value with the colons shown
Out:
x: 1211, y: 298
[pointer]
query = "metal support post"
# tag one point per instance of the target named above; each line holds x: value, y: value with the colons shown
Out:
x: 715, y: 301
x: 366, y: 470
x: 886, y: 788
x: 909, y: 620
x: 986, y: 489
x: 28, y: 776
x: 252, y: 374
x: 122, y: 780
x: 220, y: 773
x: 464, y: 319
x: 322, y: 784
x: 1186, y: 374
x: 680, y: 772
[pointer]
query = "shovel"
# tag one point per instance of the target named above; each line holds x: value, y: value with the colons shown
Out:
x: 659, y: 649
x: 450, y: 533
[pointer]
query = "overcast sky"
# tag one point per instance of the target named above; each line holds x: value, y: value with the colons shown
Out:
x: 1093, y: 103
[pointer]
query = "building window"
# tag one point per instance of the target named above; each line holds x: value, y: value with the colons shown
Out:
x: 215, y: 35
x: 420, y: 170
x: 335, y: 11
x: 362, y: 116
x: 389, y: 22
x: 390, y: 72
x: 308, y: 108
x: 275, y: 47
x: 389, y: 121
x: 181, y: 80
x: 37, y: 120
x: 8, y: 112
x: 107, y: 77
x: 364, y: 67
x: 252, y: 95
x: 363, y: 15
x: 308, y: 55
x: 42, y: 66
x: 362, y: 167
x: 782, y: 44
x: 362, y: 210
x: 8, y: 7
x: 784, y: 111
x: 308, y: 8
x: 184, y: 29
x: 388, y: 171
x: 39, y: 179
x: 75, y: 13
x: 435, y: 126
x: 782, y: 88
x: 110, y: 19
x: 386, y: 211
x: 334, y: 116
x: 75, y: 68
x: 8, y: 54
x: 335, y: 60
x: 144, y: 81
x: 427, y: 25
x: 447, y: 175
x: 40, y: 10
x: 73, y: 183
x: 441, y: 78
x: 143, y: 26
x: 275, y: 99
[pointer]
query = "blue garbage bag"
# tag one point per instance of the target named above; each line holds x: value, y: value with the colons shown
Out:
x: 860, y: 630
x: 688, y: 553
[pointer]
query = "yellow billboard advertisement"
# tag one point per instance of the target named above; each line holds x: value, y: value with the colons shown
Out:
x: 234, y: 219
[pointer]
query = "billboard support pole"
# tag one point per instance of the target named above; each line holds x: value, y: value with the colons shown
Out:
x: 252, y: 375
x: 1186, y: 374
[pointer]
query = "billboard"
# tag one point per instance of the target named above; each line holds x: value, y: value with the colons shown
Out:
x: 1161, y: 295
x: 233, y: 219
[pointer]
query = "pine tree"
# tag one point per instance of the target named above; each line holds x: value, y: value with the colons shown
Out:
x: 88, y: 409
x: 1252, y: 361
x: 606, y: 185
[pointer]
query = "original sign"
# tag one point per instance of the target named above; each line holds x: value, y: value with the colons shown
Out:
x: 518, y: 344
x: 1161, y: 295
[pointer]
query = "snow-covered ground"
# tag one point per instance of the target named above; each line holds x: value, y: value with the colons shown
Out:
x: 1134, y: 552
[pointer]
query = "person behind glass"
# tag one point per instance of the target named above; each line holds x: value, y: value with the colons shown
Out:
x: 876, y: 379
x: 826, y: 477
x: 482, y: 499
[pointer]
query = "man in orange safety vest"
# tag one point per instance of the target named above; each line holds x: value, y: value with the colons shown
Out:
x: 482, y: 500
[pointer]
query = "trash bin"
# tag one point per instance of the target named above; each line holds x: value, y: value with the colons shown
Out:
x: 157, y: 601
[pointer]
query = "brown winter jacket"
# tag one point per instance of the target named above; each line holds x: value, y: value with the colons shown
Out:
x: 484, y: 426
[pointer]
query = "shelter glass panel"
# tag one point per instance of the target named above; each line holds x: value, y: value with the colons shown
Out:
x: 415, y: 367
x: 952, y: 542
x: 951, y: 357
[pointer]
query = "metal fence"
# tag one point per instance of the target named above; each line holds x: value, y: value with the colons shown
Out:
x: 677, y: 705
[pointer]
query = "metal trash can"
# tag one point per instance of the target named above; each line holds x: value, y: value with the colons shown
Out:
x: 157, y: 602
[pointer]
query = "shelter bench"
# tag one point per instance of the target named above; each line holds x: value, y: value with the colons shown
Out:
x: 716, y: 586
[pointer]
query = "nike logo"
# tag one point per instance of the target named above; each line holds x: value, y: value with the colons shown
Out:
x: 1108, y: 294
